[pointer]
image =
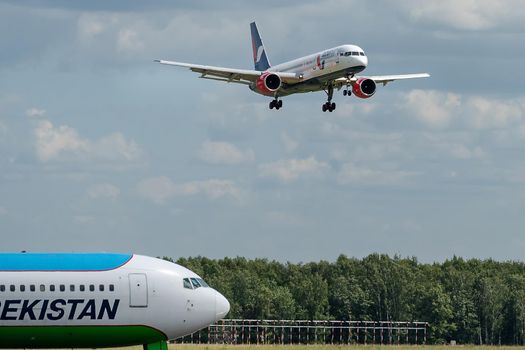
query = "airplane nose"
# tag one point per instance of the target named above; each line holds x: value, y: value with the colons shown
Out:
x: 222, y: 306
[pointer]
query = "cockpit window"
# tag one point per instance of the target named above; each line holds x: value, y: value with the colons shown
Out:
x: 187, y: 284
x: 202, y: 283
x: 195, y: 283
x: 348, y: 53
x: 361, y: 54
x: 355, y: 53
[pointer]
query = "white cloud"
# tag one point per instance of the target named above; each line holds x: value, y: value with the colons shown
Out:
x: 288, y: 170
x: 160, y: 189
x: 460, y: 151
x: 52, y: 142
x: 90, y: 25
x: 433, y: 108
x: 356, y: 175
x: 224, y: 153
x: 464, y: 14
x: 290, y: 144
x: 491, y: 113
x: 128, y: 40
x: 103, y: 190
x: 63, y: 143
x: 35, y: 112
x: 440, y: 110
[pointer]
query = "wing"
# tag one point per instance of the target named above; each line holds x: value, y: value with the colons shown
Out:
x: 385, y: 79
x: 380, y: 79
x: 231, y: 75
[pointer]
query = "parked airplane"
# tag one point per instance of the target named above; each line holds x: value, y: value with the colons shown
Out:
x: 333, y: 68
x: 89, y: 300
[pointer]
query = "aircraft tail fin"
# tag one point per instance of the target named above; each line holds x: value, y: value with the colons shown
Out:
x: 260, y: 60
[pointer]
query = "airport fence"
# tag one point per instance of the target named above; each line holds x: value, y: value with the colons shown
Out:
x: 238, y: 331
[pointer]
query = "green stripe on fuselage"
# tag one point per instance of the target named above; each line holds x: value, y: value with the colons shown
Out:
x: 77, y: 336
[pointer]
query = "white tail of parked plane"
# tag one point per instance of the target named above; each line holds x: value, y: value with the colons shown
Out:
x: 327, y: 70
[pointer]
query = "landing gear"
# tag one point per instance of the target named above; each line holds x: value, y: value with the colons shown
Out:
x: 329, y: 105
x: 348, y: 90
x: 275, y: 104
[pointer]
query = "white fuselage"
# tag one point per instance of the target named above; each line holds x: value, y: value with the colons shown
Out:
x: 143, y: 291
x: 318, y: 68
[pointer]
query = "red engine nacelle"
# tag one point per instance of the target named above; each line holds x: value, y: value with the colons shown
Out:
x: 364, y: 88
x: 268, y: 83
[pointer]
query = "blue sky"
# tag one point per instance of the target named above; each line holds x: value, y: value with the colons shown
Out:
x: 103, y: 150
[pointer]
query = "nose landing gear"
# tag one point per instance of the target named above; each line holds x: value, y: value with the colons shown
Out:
x: 348, y: 90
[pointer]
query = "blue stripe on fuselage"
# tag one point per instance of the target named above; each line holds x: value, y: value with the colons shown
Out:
x: 62, y: 261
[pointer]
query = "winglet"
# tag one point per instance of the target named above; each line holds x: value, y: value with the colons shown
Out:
x: 260, y: 60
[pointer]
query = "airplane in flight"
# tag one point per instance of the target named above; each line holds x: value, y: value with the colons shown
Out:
x: 327, y: 70
x: 100, y: 300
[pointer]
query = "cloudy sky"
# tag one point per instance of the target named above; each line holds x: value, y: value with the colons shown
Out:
x: 103, y: 150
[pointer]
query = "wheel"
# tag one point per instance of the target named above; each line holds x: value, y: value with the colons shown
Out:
x: 277, y: 106
x: 271, y: 105
x: 280, y: 103
x: 349, y: 92
x: 324, y: 107
x: 332, y: 107
x: 345, y: 92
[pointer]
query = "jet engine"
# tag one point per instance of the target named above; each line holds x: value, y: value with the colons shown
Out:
x: 268, y: 83
x: 364, y: 88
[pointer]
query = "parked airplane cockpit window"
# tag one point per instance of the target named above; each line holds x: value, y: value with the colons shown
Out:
x: 186, y: 283
x: 348, y: 53
x: 195, y: 283
x: 202, y: 283
x: 355, y: 53
x: 361, y: 54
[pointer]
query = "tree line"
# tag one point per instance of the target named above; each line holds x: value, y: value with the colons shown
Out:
x: 470, y: 301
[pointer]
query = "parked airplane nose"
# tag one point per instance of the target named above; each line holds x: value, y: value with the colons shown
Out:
x: 222, y: 306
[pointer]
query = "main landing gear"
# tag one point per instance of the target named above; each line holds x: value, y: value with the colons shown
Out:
x: 275, y: 104
x: 329, y: 105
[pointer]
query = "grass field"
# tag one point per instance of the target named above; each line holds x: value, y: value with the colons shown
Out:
x: 329, y: 347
